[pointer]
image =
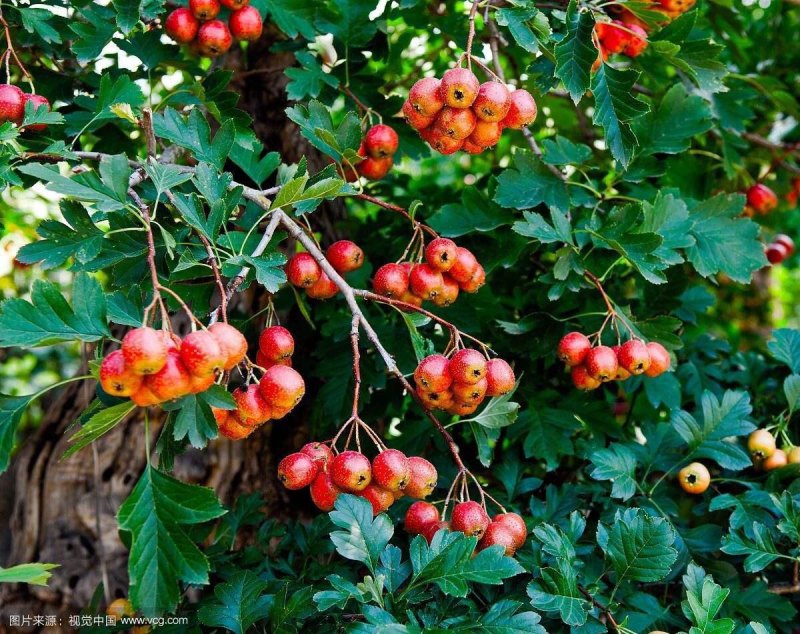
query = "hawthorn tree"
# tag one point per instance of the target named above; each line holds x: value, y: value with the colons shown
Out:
x: 647, y: 206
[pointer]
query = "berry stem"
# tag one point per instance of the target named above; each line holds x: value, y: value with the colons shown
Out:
x: 397, y: 209
x: 471, y: 34
x: 11, y: 52
x: 151, y: 262
x: 356, y: 364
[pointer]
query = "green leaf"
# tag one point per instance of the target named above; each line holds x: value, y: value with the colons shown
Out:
x: 48, y: 318
x: 615, y: 108
x: 268, y: 268
x: 85, y: 186
x: 94, y: 29
x: 37, y: 20
x: 34, y: 574
x: 557, y: 592
x: 98, y: 425
x: 530, y: 183
x: 294, y: 17
x: 791, y: 388
x: 618, y: 464
x: 342, y: 592
x: 164, y: 176
x: 475, y: 212
x: 364, y: 537
x: 309, y: 79
x: 194, y: 421
x: 499, y: 412
x: 516, y: 20
x: 240, y: 602
x: 349, y: 21
x: 704, y: 599
x: 316, y: 124
x: 40, y: 115
x: 576, y: 53
x: 162, y: 554
x: 536, y: 227
x: 562, y: 151
x: 258, y: 168
x: 670, y: 127
x: 785, y: 347
x: 194, y: 134
x: 11, y: 410
x: 504, y: 617
x: 760, y: 552
x: 725, y: 242
x: 668, y: 217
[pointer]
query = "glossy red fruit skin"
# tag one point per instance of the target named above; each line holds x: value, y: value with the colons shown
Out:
x: 375, y: 169
x: 390, y: 470
x: 486, y: 134
x: 450, y: 292
x: 252, y: 409
x: 777, y: 460
x: 264, y: 362
x: 462, y: 409
x: 232, y: 343
x: 613, y: 38
x: 776, y: 252
x: 379, y: 498
x: 429, y: 532
x: 465, y: 266
x: 440, y: 142
x: 474, y: 284
x: 573, y: 348
x: 637, y: 43
x: 282, y: 386
x: 425, y: 97
x: 423, y: 478
x: 415, y: 119
x: 499, y: 534
x: 214, y: 38
x: 516, y: 526
x: 323, y: 288
x: 459, y: 87
x: 276, y: 343
x: 634, y: 357
x: 786, y: 241
x: 500, y: 377
x: 391, y: 280
x: 522, y: 111
x: 38, y: 101
x: 381, y: 141
x: 601, y: 363
x: 492, y: 102
x: 144, y: 397
x: 246, y: 24
x: 116, y: 377
x: 441, y: 254
x: 582, y: 380
x: 472, y: 148
x: 205, y: 9
x: 303, y: 270
x: 469, y: 518
x: 659, y: 359
x: 145, y: 350
x: 232, y: 428
x: 456, y: 123
x: 201, y: 354
x: 761, y: 198
x: 235, y: 4
x: 297, y: 471
x: 319, y: 452
x: 418, y: 516
x: 171, y: 381
x: 198, y: 384
x: 351, y: 471
x: 433, y: 373
x: 470, y: 394
x: 181, y: 25
x: 468, y: 366
x: 425, y: 281
x: 345, y: 256
x: 324, y: 492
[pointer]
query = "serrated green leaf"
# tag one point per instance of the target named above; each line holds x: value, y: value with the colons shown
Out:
x: 618, y: 464
x: 240, y: 602
x: 639, y: 545
x: 576, y: 53
x: 11, y: 410
x: 529, y: 183
x: 785, y: 347
x: 364, y: 537
x: 98, y: 425
x: 34, y: 574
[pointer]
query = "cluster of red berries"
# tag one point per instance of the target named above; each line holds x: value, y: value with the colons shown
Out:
x: 197, y: 25
x: 390, y: 476
x: 303, y: 271
x: 627, y: 38
x: 459, y: 113
x: 278, y: 392
x: 448, y: 269
x: 377, y: 149
x: 591, y: 366
x: 12, y: 105
x: 765, y: 453
x: 760, y: 200
x: 155, y: 366
x: 459, y: 384
x: 781, y: 247
x: 470, y: 518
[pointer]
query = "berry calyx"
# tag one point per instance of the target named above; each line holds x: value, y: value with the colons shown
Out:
x: 420, y: 515
x: 425, y: 97
x: 522, y: 110
x: 422, y: 480
x: 231, y: 342
x: 145, y: 350
x: 441, y: 254
x: 282, y: 386
x: 324, y: 492
x: 469, y: 518
x: 601, y: 363
x: 659, y: 359
x: 297, y: 471
x: 469, y: 395
x: 459, y: 87
x: 468, y: 366
x: 493, y: 101
x: 276, y: 344
x: 116, y: 377
x: 246, y: 24
x: 345, y: 256
x: 303, y: 270
x: 201, y: 354
x: 390, y: 470
x: 214, y: 38
x: 433, y: 373
x: 181, y: 25
x: 500, y: 377
x: 381, y: 141
x: 761, y: 444
x: 252, y: 409
x: 351, y: 471
x: 694, y: 478
x: 391, y: 280
x: 633, y: 356
x: 204, y: 9
x: 425, y: 281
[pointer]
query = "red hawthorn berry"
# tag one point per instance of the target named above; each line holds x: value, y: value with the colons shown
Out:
x: 459, y: 87
x: 761, y: 444
x: 466, y: 265
x: 500, y: 377
x: 246, y: 24
x: 116, y: 377
x: 433, y: 373
x: 172, y: 381
x: 422, y: 480
x: 204, y: 9
x: 633, y: 356
x: 456, y: 123
x: 777, y: 460
x: 415, y: 119
x: 431, y: 529
x: 345, y: 256
x: 474, y: 284
x: 425, y: 97
x: 573, y: 348
x: 252, y: 409
x: 776, y: 252
x: 232, y: 343
x: 319, y: 452
x: 613, y: 38
x: 694, y: 478
x: 622, y: 374
x: 303, y: 270
x: 441, y: 254
x: 375, y: 169
x: 435, y: 400
x: 761, y: 198
x: 419, y: 515
x: 601, y: 363
x: 674, y: 8
x: 449, y: 294
x: 379, y: 498
x: 230, y: 427
x: 499, y: 534
x: 410, y: 298
x: 351, y: 471
x: 522, y: 111
x: 324, y: 492
x: 469, y: 518
x: 181, y: 25
x: 637, y: 42
x: 323, y: 288
x: 12, y: 104
x: 462, y: 409
x: 276, y: 343
x: 440, y: 142
x: 390, y: 470
x: 516, y: 525
x: 198, y: 384
x: 468, y: 366
x: 786, y: 241
x: 425, y: 281
x: 492, y: 102
x: 486, y: 134
x: 201, y: 354
x: 582, y: 380
x: 391, y: 280
x: 214, y: 38
x: 233, y: 5
x: 297, y: 471
x: 145, y: 350
x: 282, y: 386
x: 465, y: 394
x: 659, y: 359
x: 472, y: 148
x: 266, y: 363
x: 381, y: 141
x: 38, y: 101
